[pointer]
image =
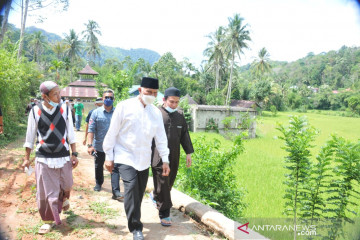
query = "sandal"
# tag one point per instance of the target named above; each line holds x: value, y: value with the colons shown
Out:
x: 66, y: 205
x: 166, y: 222
x: 46, y: 228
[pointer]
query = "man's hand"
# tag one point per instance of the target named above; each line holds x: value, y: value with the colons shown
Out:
x: 166, y: 169
x: 188, y: 160
x: 90, y: 150
x: 109, y: 165
x: 26, y: 163
x: 84, y: 142
x: 74, y: 161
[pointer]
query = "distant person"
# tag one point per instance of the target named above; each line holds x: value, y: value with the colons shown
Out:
x: 98, y: 126
x: 98, y: 103
x: 72, y: 110
x: 30, y: 106
x: 177, y: 134
x: 79, y: 111
x: 1, y: 122
x: 136, y: 121
x: 51, y: 122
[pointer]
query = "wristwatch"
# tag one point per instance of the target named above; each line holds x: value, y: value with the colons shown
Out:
x: 75, y: 154
x: 89, y: 145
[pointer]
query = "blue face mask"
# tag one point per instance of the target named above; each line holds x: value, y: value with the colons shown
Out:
x: 108, y: 102
x: 170, y: 110
x: 53, y: 104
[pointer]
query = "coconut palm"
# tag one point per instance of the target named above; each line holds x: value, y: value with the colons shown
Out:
x: 73, y: 45
x: 37, y: 43
x: 237, y: 38
x: 261, y: 65
x: 92, y: 48
x: 215, y: 52
x: 59, y: 49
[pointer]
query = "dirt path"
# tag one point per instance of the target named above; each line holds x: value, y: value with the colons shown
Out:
x: 93, y: 215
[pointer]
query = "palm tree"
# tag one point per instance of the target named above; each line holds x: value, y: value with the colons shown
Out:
x: 92, y: 28
x: 237, y: 37
x: 59, y: 49
x: 37, y: 44
x: 57, y: 65
x: 73, y: 45
x: 261, y: 65
x: 215, y: 52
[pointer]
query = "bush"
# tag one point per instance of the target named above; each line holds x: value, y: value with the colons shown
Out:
x: 210, y: 179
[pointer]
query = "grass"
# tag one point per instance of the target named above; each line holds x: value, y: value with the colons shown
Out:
x: 260, y: 168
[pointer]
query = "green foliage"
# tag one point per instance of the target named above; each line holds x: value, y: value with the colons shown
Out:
x: 215, y: 98
x: 227, y: 122
x: 184, y: 104
x: 212, y: 125
x: 273, y: 110
x: 354, y: 103
x: 18, y: 81
x: 211, y: 179
x: 323, y: 191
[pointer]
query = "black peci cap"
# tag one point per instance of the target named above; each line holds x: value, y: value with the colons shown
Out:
x: 148, y: 82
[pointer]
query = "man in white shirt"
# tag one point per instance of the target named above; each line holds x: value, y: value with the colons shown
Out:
x: 52, y: 123
x: 135, y: 123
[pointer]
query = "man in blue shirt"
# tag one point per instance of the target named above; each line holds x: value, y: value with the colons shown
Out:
x: 98, y: 126
x: 98, y: 103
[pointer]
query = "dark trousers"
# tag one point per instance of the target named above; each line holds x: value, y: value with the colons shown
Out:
x: 99, y: 173
x: 162, y: 187
x: 134, y: 184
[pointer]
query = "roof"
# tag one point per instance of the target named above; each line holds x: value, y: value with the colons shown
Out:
x: 191, y: 101
x: 81, y: 92
x: 243, y: 103
x: 88, y: 70
x: 85, y: 83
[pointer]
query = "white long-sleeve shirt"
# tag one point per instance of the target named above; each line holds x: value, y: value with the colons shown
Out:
x: 32, y: 130
x: 132, y: 129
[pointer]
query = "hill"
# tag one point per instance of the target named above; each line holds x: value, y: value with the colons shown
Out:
x: 106, y: 51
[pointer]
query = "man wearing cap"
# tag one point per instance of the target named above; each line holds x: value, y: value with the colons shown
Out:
x: 177, y: 133
x: 52, y: 123
x: 98, y: 126
x: 98, y: 103
x: 135, y: 123
x: 79, y: 111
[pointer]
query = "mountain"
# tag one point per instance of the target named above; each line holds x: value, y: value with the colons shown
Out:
x: 106, y: 51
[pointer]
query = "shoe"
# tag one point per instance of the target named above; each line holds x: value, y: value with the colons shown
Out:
x: 138, y: 235
x: 97, y: 188
x: 118, y: 197
x: 166, y: 222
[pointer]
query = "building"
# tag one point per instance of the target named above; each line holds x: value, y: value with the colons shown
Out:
x: 84, y: 88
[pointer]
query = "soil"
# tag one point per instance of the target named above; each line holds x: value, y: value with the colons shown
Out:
x: 92, y: 215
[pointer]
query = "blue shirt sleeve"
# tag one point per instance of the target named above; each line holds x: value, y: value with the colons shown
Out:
x: 92, y: 122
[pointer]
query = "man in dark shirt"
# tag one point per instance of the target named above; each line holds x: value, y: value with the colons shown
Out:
x: 177, y: 133
x: 98, y: 103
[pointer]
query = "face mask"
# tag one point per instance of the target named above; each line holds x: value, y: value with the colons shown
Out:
x: 53, y: 104
x: 108, y: 102
x: 170, y: 110
x: 148, y: 99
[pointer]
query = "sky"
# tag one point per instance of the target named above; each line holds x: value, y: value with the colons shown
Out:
x: 288, y: 29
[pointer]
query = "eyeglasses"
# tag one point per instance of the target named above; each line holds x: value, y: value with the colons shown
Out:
x: 107, y: 97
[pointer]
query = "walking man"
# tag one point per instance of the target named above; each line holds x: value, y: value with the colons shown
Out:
x: 98, y: 126
x: 79, y: 111
x: 177, y: 133
x: 52, y: 123
x: 136, y: 122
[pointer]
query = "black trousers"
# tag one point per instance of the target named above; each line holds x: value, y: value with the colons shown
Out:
x: 162, y: 187
x: 134, y: 184
x: 99, y: 173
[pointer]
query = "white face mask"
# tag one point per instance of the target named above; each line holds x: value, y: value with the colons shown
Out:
x: 148, y: 99
x: 170, y: 110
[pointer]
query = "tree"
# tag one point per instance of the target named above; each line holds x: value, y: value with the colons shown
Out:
x: 5, y: 20
x: 37, y: 44
x: 261, y: 65
x: 73, y: 45
x: 237, y: 37
x: 35, y: 5
x: 215, y: 52
x: 57, y: 65
x: 59, y: 49
x: 92, y: 48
